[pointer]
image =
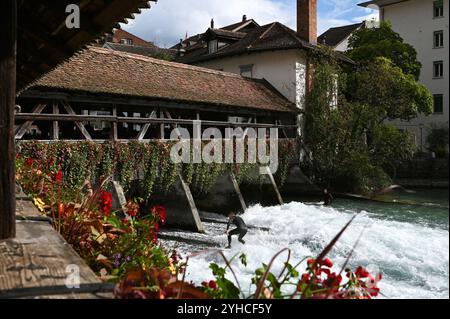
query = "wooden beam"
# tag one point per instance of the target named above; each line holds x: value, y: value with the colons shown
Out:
x: 8, y: 40
x: 152, y: 102
x: 80, y: 125
x: 146, y: 126
x: 55, y: 126
x: 136, y: 120
x: 115, y: 132
x: 161, y: 127
x: 26, y: 126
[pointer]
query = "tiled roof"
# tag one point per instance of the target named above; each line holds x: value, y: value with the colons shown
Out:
x: 273, y: 36
x: 149, y: 51
x: 226, y: 33
x: 268, y: 37
x: 239, y: 25
x: 332, y: 37
x: 103, y: 71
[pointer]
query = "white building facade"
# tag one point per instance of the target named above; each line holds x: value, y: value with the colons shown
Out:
x: 425, y: 25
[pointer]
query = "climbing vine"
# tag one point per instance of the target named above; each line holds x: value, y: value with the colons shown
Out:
x: 147, y: 165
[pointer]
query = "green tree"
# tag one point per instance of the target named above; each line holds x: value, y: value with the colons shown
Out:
x: 390, y: 93
x: 368, y: 44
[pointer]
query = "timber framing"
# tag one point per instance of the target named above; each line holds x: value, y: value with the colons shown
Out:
x: 147, y: 118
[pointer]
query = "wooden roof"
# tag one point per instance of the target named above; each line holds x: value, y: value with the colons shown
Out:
x: 44, y: 41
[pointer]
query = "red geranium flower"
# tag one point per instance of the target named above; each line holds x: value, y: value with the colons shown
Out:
x: 361, y: 272
x: 57, y: 177
x: 212, y: 284
x: 106, y: 202
x: 160, y: 212
x: 29, y: 161
x: 327, y: 262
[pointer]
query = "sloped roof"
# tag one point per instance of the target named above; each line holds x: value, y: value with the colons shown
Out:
x: 273, y: 36
x: 148, y: 51
x: 103, y: 71
x: 44, y: 41
x: 225, y: 33
x: 333, y: 36
x: 240, y: 25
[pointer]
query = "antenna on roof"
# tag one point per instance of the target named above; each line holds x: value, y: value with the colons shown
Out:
x: 212, y: 23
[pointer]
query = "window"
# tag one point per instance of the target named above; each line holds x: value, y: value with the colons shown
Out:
x: 438, y: 103
x: 127, y: 41
x: 247, y: 70
x: 213, y: 46
x: 438, y: 69
x: 438, y: 9
x: 439, y: 39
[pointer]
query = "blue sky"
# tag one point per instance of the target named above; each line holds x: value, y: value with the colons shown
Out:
x: 169, y: 20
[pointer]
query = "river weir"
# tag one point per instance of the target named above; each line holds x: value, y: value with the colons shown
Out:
x: 409, y: 244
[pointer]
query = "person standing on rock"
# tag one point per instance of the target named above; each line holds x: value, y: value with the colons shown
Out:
x: 240, y: 230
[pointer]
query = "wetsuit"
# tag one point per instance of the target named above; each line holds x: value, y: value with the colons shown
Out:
x: 241, y: 229
x: 328, y: 199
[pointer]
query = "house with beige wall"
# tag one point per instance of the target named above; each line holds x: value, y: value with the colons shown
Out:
x: 425, y: 25
x: 273, y: 52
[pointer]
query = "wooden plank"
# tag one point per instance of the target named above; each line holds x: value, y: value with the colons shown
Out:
x: 39, y: 257
x: 26, y: 126
x: 80, y: 125
x: 8, y: 25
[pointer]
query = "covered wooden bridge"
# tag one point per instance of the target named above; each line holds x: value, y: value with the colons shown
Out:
x: 102, y: 94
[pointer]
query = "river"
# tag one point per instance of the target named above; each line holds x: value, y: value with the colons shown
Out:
x: 408, y: 243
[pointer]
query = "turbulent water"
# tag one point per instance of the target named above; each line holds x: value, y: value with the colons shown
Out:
x: 409, y: 244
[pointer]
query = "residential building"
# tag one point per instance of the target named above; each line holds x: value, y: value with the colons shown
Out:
x: 124, y: 37
x: 338, y: 38
x: 273, y: 52
x: 148, y: 51
x: 425, y: 25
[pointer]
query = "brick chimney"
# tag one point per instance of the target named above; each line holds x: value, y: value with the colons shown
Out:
x: 307, y: 20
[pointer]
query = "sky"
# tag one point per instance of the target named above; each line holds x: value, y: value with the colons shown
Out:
x: 167, y: 21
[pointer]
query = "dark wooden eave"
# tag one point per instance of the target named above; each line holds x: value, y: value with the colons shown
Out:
x: 44, y: 41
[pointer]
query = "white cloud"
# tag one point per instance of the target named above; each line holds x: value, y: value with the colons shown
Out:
x: 168, y: 20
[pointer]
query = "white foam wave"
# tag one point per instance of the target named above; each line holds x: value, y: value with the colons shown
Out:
x: 413, y: 258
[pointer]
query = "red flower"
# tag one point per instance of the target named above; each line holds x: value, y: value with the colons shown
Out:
x: 212, y: 284
x: 160, y: 212
x: 361, y: 272
x: 106, y: 202
x: 57, y: 177
x: 306, y: 278
x: 310, y: 261
x: 327, y: 262
x: 29, y: 161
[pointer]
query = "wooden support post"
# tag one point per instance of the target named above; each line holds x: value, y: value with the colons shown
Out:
x: 23, y: 129
x: 115, y: 134
x: 238, y: 191
x: 55, y: 130
x: 146, y: 126
x: 274, y: 185
x: 80, y: 125
x: 162, y: 128
x: 8, y: 25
